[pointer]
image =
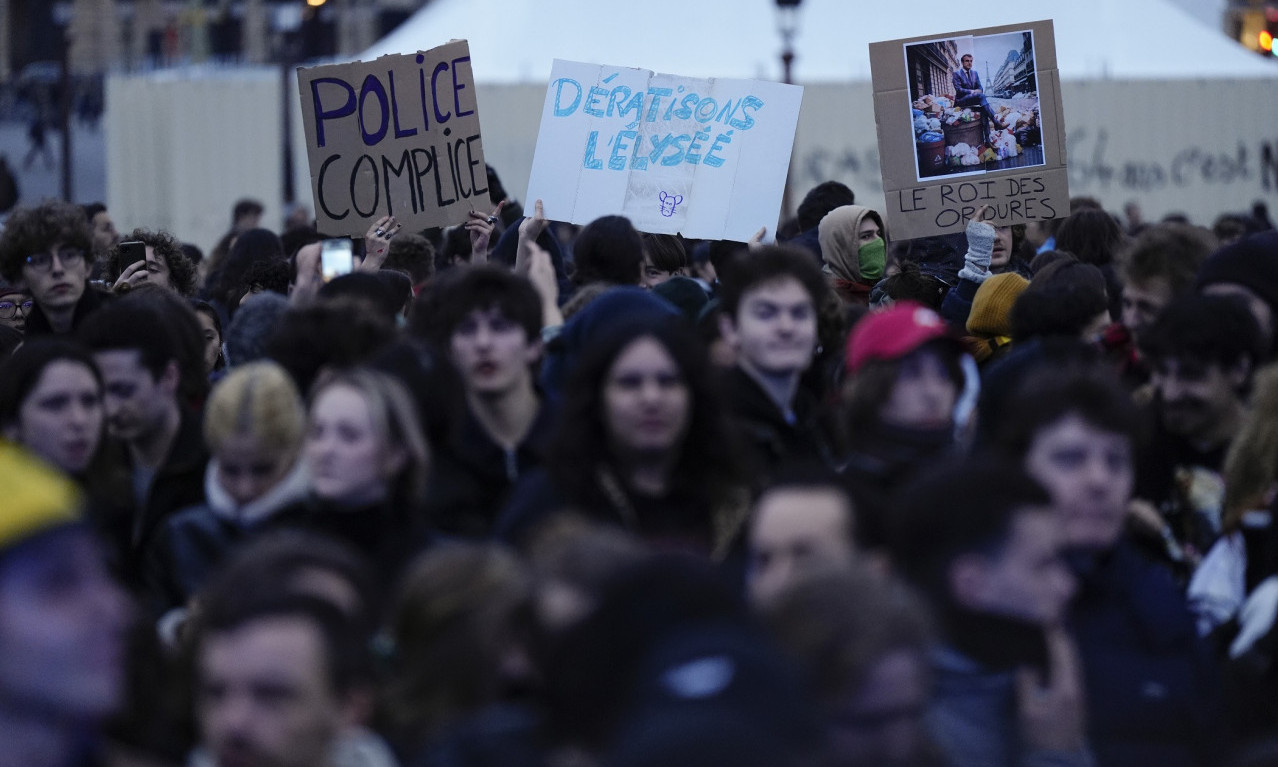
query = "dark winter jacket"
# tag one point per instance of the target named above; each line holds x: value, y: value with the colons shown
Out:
x: 767, y: 438
x: 1152, y: 689
x: 472, y: 475
x: 90, y: 301
x: 193, y: 542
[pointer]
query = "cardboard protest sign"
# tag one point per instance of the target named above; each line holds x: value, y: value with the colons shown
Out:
x: 703, y: 157
x: 967, y: 119
x: 395, y: 136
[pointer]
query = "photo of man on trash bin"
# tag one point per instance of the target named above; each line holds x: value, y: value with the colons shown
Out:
x: 974, y: 103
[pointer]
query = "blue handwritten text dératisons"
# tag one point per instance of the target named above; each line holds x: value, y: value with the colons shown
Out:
x: 629, y: 148
x: 385, y: 106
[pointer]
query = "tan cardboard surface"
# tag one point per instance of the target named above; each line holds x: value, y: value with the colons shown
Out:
x: 398, y: 135
x: 1029, y: 185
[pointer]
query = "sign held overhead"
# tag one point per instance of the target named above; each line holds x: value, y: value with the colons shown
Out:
x: 395, y: 136
x: 967, y: 119
x: 706, y: 158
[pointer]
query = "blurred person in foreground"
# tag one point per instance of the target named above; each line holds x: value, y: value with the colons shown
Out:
x: 62, y: 621
x: 1152, y: 690
x: 861, y: 642
x: 981, y: 540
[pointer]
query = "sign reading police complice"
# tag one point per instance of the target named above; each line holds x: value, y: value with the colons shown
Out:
x: 706, y: 158
x: 395, y: 136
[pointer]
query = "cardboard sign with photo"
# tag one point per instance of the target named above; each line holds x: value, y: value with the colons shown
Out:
x: 967, y: 119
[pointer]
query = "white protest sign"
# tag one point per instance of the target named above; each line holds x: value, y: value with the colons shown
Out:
x: 706, y: 158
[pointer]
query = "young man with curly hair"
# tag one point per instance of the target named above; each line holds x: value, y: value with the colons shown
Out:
x: 165, y: 264
x: 48, y: 249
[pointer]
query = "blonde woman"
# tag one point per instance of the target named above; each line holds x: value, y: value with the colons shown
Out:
x: 368, y: 464
x: 254, y: 425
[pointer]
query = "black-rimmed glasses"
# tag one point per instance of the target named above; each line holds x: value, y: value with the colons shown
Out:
x: 68, y: 257
x: 8, y: 309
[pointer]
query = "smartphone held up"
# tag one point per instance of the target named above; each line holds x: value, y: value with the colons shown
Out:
x: 337, y: 257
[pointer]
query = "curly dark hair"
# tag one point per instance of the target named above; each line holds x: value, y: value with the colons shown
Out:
x: 271, y: 275
x: 327, y: 333
x: 911, y: 284
x: 165, y: 245
x: 413, y: 255
x: 458, y: 292
x: 1061, y: 300
x: 32, y: 230
x: 705, y: 471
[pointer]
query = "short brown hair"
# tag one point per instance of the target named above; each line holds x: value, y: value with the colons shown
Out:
x: 769, y: 263
x: 458, y: 607
x: 838, y: 625
x: 1173, y: 251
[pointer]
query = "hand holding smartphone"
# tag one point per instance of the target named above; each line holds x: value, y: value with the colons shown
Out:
x: 337, y: 257
x: 131, y: 253
x: 132, y: 263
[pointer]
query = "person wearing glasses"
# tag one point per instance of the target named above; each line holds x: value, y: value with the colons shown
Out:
x: 46, y: 249
x: 15, y: 304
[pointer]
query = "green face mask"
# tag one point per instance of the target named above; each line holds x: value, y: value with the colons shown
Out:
x: 872, y: 257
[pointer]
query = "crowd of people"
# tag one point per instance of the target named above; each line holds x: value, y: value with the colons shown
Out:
x: 521, y: 493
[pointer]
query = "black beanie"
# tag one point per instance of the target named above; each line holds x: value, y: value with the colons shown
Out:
x: 1251, y: 262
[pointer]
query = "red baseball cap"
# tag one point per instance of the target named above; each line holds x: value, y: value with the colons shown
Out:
x: 893, y: 333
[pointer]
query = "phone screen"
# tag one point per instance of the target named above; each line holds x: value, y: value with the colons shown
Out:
x: 336, y: 258
x: 131, y: 252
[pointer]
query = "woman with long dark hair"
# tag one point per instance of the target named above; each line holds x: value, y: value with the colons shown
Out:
x: 51, y: 404
x: 641, y: 444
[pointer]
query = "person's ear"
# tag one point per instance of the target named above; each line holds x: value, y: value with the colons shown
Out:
x: 1238, y: 373
x: 170, y: 378
x: 967, y: 580
x: 728, y: 330
x: 396, y: 460
x: 534, y: 351
x: 357, y: 707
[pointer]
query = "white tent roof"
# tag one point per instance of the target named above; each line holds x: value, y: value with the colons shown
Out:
x: 516, y: 40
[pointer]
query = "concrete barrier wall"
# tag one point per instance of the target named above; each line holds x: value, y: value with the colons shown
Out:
x: 182, y: 150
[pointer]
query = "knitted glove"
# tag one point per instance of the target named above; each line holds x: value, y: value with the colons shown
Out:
x: 980, y: 246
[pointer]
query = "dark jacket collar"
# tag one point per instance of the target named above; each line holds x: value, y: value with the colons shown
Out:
x: 996, y: 642
x: 188, y: 451
x: 472, y: 444
x: 747, y: 399
x: 92, y: 300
